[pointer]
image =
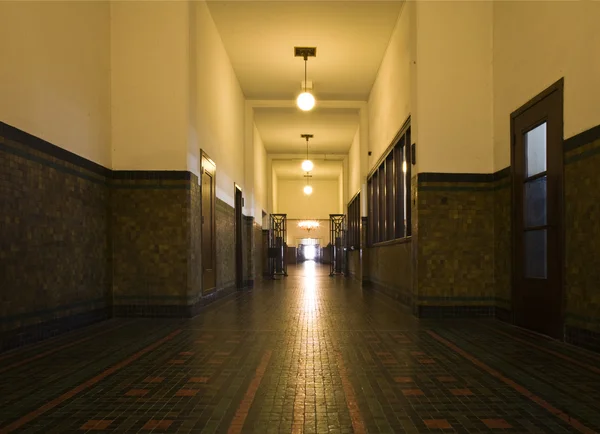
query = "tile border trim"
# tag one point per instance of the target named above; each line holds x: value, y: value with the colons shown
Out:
x: 22, y: 153
x: 454, y: 177
x: 12, y: 133
x: 405, y: 298
x: 429, y: 181
x: 28, y: 334
x: 574, y: 157
x: 154, y: 175
x: 461, y: 299
x: 455, y: 311
x: 54, y: 310
x: 105, y: 175
x: 581, y: 318
x: 584, y: 338
x: 221, y: 205
x: 584, y: 138
x: 503, y: 314
x: 192, y: 308
x: 581, y: 139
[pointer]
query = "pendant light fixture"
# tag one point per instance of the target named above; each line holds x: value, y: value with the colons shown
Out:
x: 305, y: 101
x: 307, y: 165
x: 307, y: 188
x: 308, y: 225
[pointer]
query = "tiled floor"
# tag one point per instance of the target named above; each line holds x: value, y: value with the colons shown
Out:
x: 309, y: 353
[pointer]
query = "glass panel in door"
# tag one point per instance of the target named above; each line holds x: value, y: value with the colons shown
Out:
x: 535, y: 204
x: 535, y: 154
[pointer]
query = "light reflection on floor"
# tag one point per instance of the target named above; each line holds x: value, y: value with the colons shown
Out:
x: 308, y: 268
x: 310, y: 289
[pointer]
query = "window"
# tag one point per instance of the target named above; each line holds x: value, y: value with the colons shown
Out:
x: 388, y: 192
x: 354, y: 222
x: 390, y: 197
x: 382, y: 229
x: 374, y: 218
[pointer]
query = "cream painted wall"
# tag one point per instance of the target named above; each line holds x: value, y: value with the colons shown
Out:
x: 260, y: 176
x: 55, y: 74
x: 219, y: 106
x: 323, y: 201
x: 454, y: 86
x: 341, y: 195
x: 345, y: 183
x: 150, y: 98
x: 389, y: 101
x: 535, y: 44
x: 354, y: 178
x: 274, y: 192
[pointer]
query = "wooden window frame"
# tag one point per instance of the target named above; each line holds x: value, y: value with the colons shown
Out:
x: 375, y: 218
x: 389, y: 191
x: 354, y: 222
x: 382, y: 203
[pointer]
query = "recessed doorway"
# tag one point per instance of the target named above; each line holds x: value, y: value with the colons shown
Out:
x: 309, y: 249
x: 537, y: 174
x: 208, y: 171
x: 310, y: 253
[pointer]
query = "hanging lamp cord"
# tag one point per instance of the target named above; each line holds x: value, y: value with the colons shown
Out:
x: 307, y: 148
x: 305, y: 65
x: 307, y: 178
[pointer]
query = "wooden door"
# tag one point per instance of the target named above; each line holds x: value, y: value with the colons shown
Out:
x: 537, y: 164
x: 239, y: 272
x: 209, y: 247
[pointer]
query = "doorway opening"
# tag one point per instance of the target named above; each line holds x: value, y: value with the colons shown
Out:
x: 239, y: 266
x: 537, y: 219
x: 208, y: 172
x: 309, y: 249
x: 310, y: 252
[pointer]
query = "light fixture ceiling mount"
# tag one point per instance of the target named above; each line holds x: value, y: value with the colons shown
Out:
x: 306, y: 100
x: 305, y: 52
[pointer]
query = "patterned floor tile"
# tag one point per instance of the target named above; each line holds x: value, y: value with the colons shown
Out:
x: 304, y: 354
x: 496, y: 423
x: 96, y: 425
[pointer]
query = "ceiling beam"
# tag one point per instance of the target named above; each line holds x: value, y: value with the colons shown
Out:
x: 255, y: 103
x: 313, y: 156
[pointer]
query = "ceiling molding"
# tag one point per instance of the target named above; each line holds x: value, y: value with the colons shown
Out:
x: 312, y: 156
x: 331, y: 104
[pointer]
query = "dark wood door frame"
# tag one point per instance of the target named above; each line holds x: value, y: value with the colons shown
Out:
x: 239, y: 227
x: 208, y: 170
x: 552, y: 99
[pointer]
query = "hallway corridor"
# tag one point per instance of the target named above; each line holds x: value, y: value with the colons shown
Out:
x: 308, y: 353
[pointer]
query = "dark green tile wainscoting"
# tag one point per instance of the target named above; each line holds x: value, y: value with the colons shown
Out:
x: 80, y: 243
x: 460, y: 261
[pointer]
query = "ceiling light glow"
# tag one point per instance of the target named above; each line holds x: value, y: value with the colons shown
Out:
x: 307, y: 190
x: 305, y: 101
x: 307, y: 165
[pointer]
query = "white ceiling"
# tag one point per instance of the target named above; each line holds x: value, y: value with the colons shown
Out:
x: 350, y: 36
x: 324, y: 169
x: 280, y: 129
